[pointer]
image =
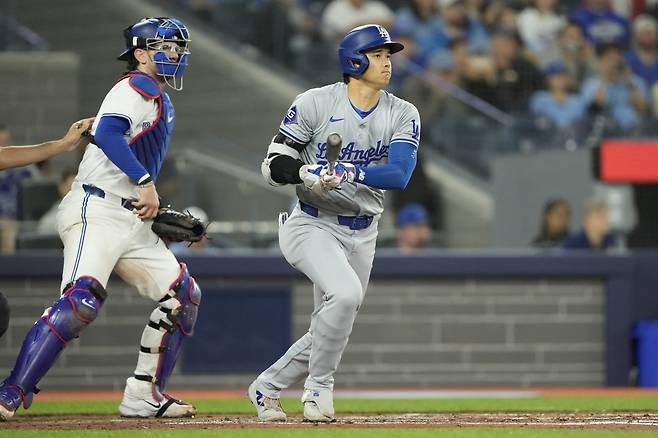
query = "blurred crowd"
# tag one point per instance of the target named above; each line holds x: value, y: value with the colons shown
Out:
x: 529, y: 73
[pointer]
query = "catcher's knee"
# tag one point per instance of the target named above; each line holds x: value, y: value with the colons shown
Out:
x: 181, y: 302
x: 78, y: 307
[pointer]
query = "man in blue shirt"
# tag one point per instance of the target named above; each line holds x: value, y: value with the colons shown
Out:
x: 616, y: 91
x: 557, y: 105
x: 601, y: 24
x: 643, y: 56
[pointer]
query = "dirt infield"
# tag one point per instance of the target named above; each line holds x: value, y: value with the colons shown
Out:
x: 598, y: 421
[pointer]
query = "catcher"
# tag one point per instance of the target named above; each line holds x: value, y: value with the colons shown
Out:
x: 105, y: 223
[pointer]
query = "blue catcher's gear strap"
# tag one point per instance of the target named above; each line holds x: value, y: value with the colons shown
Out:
x: 393, y: 175
x: 78, y: 307
x: 175, y: 325
x: 109, y: 136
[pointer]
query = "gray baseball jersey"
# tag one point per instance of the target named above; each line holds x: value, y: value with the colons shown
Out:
x: 319, y: 112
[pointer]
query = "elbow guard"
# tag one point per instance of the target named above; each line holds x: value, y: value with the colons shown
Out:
x: 274, y: 150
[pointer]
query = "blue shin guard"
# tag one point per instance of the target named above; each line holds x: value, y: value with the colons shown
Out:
x: 78, y: 306
x: 168, y: 327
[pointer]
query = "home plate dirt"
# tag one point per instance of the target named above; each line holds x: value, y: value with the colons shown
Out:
x: 600, y: 421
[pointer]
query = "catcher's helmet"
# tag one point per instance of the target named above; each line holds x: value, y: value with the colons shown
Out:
x: 353, y: 61
x: 149, y: 33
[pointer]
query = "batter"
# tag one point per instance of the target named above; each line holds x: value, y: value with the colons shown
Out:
x: 331, y: 234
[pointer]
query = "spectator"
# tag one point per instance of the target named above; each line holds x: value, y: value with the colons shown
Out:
x: 601, y: 24
x: 413, y: 227
x: 596, y: 228
x: 508, y: 80
x: 421, y: 190
x: 417, y: 26
x: 456, y: 24
x: 540, y: 25
x: 575, y: 52
x: 475, y: 9
x: 554, y: 225
x: 48, y: 222
x: 431, y: 100
x: 341, y: 16
x: 615, y: 91
x: 557, y: 105
x: 9, y: 182
x: 642, y: 58
x: 502, y: 14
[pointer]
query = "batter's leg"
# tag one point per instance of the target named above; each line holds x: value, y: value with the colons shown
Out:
x: 317, y: 253
x: 293, y: 365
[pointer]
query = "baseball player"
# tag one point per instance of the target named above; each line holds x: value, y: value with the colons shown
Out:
x: 331, y: 233
x: 105, y: 224
x: 16, y: 156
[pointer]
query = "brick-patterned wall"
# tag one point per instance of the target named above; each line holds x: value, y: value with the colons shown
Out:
x: 473, y: 332
x: 470, y: 332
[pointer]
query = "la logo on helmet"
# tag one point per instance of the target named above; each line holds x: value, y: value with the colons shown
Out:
x: 383, y: 32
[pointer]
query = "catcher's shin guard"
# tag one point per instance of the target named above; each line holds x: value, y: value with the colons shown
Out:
x: 170, y: 324
x: 78, y: 306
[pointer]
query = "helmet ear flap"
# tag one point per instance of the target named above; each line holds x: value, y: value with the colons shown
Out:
x: 360, y: 63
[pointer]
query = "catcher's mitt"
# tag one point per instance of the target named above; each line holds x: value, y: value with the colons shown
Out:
x: 174, y: 226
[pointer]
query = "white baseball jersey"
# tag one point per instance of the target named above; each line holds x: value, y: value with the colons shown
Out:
x: 121, y: 101
x: 319, y: 112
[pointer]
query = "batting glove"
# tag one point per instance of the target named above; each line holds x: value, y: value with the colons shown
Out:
x: 343, y: 172
x: 311, y: 177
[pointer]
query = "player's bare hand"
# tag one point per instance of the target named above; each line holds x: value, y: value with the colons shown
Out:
x: 146, y: 207
x: 78, y: 134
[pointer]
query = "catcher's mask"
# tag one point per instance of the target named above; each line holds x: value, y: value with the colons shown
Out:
x: 164, y: 36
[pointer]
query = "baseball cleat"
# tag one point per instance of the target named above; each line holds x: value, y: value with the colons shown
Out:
x: 318, y: 405
x: 142, y: 399
x: 268, y: 409
x: 10, y: 401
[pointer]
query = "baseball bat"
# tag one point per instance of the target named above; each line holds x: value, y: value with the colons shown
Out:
x: 334, y: 143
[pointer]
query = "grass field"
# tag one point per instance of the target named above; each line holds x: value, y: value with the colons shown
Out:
x: 292, y: 406
x: 633, y: 415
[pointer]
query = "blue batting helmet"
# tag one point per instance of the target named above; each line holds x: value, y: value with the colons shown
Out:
x: 351, y: 52
x: 149, y: 34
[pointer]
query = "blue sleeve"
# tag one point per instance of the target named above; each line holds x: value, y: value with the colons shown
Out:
x: 393, y: 175
x: 109, y: 136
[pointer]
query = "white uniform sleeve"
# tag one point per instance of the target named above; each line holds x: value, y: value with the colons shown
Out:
x: 299, y: 122
x: 407, y: 127
x: 123, y: 101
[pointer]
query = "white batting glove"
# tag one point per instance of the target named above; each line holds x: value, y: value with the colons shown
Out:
x: 311, y: 177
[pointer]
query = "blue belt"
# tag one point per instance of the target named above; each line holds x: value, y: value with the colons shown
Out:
x: 93, y: 190
x: 354, y: 222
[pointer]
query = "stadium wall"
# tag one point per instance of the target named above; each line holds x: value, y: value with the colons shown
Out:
x: 438, y: 319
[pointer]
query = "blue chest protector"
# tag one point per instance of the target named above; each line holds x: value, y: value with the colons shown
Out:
x: 150, y: 146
